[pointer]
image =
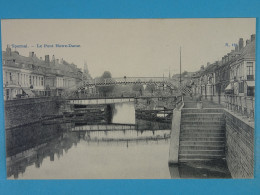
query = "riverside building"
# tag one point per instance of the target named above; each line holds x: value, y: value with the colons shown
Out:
x: 35, y: 77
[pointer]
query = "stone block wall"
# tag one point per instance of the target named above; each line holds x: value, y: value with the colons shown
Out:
x: 26, y: 111
x: 239, y: 146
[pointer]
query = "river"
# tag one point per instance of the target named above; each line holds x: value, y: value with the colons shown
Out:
x: 65, y: 151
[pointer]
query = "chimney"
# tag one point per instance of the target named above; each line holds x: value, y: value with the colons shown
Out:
x: 56, y: 61
x: 61, y: 60
x: 216, y: 63
x: 236, y: 48
x: 230, y: 56
x: 208, y: 64
x: 253, y: 37
x: 223, y: 60
x: 240, y: 44
x: 53, y: 58
x: 31, y: 54
x: 202, y: 67
x: 47, y: 59
x: 247, y: 42
x: 8, y: 50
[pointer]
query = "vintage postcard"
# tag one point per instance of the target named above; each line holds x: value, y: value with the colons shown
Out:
x: 129, y: 98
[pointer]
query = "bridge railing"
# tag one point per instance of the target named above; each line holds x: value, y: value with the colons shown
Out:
x: 117, y: 81
x: 122, y: 80
x: 243, y: 105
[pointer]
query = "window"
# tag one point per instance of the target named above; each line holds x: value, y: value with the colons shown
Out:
x: 250, y: 71
x: 21, y: 79
x: 6, y: 77
x: 250, y: 91
x: 18, y: 78
x: 241, y: 87
x: 42, y: 81
x: 10, y: 76
x: 30, y: 79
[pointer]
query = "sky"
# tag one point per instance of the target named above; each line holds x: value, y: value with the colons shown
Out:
x: 130, y: 47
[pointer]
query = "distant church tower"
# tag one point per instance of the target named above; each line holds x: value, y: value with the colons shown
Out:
x: 85, y: 68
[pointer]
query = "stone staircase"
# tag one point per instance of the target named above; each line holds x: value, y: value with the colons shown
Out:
x: 202, y: 135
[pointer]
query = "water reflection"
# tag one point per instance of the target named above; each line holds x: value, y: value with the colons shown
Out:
x: 151, y: 125
x: 106, y: 150
x: 41, y: 161
x: 17, y: 164
x: 123, y: 113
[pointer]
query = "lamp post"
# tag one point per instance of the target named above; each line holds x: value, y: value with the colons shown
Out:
x: 180, y: 66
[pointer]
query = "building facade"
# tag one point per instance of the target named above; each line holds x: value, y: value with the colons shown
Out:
x: 33, y: 77
x: 234, y: 74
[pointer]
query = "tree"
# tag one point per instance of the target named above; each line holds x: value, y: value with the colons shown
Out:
x: 150, y: 87
x: 138, y: 87
x: 184, y: 73
x: 104, y: 90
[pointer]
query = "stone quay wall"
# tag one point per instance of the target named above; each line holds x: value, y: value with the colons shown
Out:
x: 26, y: 111
x: 239, y: 146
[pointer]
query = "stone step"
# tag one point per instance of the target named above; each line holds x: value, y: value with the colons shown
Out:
x: 202, y: 115
x: 203, y: 152
x: 204, y: 110
x: 202, y: 123
x: 202, y: 143
x: 209, y: 120
x: 202, y: 139
x: 202, y: 131
x: 202, y: 127
x: 200, y: 156
x: 201, y: 147
x: 201, y: 134
x: 197, y: 160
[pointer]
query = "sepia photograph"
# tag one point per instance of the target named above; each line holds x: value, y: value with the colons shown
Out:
x: 129, y: 98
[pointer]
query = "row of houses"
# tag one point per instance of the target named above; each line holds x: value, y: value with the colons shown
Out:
x: 234, y: 74
x: 32, y: 76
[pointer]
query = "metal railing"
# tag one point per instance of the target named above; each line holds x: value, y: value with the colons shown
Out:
x: 243, y: 105
x: 118, y: 81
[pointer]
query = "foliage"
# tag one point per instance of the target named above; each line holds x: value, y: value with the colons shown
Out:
x: 150, y: 87
x: 105, y: 90
x: 138, y: 87
x: 184, y: 73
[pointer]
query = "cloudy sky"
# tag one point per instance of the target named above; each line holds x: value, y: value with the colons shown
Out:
x: 130, y: 47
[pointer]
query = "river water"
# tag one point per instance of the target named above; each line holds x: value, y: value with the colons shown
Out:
x: 63, y: 151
